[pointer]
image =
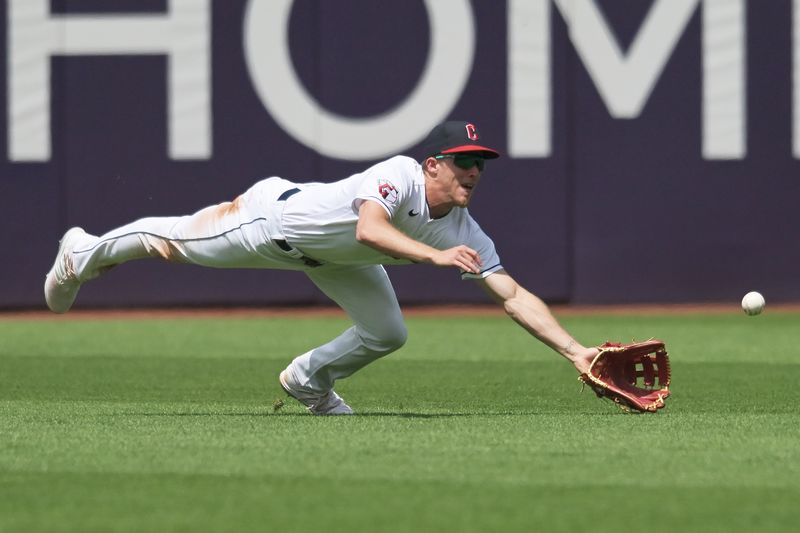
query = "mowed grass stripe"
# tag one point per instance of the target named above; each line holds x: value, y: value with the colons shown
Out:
x: 214, y: 503
x: 768, y: 338
x: 395, y: 383
x: 492, y: 449
x: 490, y: 434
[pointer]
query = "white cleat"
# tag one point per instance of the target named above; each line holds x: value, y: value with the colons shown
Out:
x: 329, y: 403
x: 61, y: 284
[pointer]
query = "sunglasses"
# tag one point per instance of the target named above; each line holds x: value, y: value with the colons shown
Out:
x: 465, y: 161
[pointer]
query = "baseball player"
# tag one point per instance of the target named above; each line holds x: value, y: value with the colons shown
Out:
x: 340, y: 234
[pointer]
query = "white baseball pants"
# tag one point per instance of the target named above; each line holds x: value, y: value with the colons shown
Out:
x: 242, y: 234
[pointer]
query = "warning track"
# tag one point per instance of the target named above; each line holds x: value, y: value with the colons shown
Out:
x: 323, y: 311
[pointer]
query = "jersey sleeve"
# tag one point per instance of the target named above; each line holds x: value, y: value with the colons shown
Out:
x: 389, y: 183
x: 481, y: 243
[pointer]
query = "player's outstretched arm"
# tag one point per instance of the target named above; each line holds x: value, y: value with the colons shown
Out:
x: 532, y: 313
x: 376, y: 231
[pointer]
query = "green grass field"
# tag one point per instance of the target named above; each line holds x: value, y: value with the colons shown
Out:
x: 167, y: 425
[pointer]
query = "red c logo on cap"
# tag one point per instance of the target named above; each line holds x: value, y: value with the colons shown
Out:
x: 472, y: 132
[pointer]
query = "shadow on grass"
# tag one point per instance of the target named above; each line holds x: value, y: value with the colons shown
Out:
x: 289, y: 414
x: 364, y: 414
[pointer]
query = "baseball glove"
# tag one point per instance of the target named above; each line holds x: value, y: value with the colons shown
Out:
x: 626, y: 374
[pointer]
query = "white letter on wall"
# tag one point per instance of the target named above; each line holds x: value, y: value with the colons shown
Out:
x: 796, y: 78
x: 35, y: 35
x: 269, y: 62
x: 530, y: 115
x: 625, y: 82
x: 724, y: 106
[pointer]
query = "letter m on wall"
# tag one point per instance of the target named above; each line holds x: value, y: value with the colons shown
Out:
x: 625, y: 80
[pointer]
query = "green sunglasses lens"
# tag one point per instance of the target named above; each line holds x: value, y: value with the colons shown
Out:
x: 468, y: 161
x: 465, y: 161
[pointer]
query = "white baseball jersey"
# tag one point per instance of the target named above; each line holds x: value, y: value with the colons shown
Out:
x: 278, y: 224
x: 321, y: 219
x: 267, y: 227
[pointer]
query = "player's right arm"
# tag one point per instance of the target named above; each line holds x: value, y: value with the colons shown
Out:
x: 530, y: 312
x: 374, y: 229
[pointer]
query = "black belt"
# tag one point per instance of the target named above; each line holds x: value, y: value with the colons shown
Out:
x: 286, y: 194
x: 285, y: 246
x: 295, y: 253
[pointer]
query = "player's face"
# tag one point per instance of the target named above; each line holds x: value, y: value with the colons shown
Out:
x: 459, y: 178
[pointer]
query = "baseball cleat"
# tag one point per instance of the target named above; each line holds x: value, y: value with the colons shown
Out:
x: 329, y: 403
x: 61, y: 284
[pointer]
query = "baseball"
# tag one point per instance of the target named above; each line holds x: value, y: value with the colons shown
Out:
x: 753, y: 303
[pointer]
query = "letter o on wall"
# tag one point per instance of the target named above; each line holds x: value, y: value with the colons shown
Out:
x: 451, y: 54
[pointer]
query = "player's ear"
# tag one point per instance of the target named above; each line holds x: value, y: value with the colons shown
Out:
x: 430, y: 165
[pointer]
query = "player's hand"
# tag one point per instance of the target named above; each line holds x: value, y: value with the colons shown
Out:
x: 584, y: 360
x: 462, y: 257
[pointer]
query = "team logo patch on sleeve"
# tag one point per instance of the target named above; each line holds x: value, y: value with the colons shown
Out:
x: 387, y: 191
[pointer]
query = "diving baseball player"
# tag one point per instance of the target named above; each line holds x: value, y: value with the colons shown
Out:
x: 340, y: 234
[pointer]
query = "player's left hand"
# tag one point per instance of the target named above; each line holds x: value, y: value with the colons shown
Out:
x: 635, y: 376
x: 583, y: 360
x: 462, y: 257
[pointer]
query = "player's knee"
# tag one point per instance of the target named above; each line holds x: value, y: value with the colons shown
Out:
x: 398, y: 337
x: 388, y: 339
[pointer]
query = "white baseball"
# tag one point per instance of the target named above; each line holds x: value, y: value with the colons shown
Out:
x: 753, y: 303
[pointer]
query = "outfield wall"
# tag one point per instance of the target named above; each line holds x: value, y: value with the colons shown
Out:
x: 651, y: 148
